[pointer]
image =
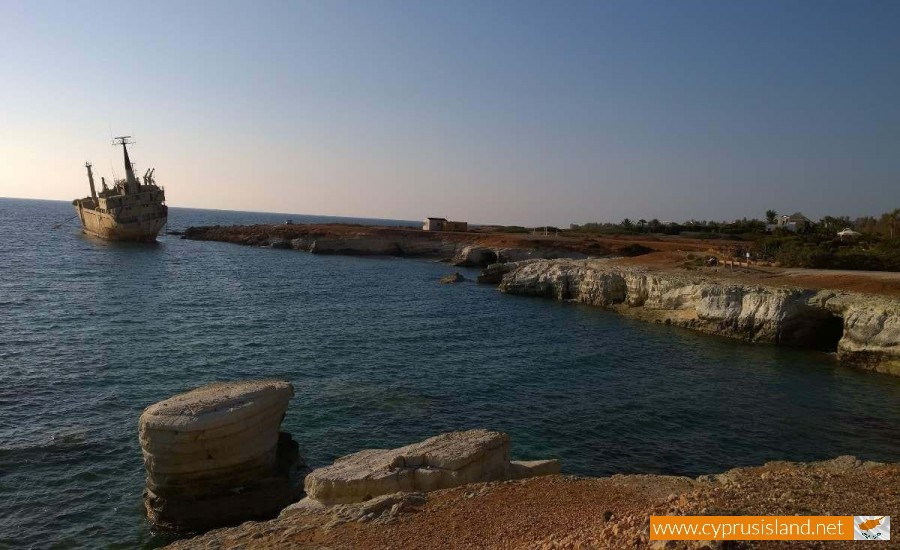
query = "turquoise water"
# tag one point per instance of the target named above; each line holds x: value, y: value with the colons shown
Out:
x: 380, y: 355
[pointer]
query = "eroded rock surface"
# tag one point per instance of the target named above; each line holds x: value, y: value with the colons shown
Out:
x: 563, y: 512
x: 443, y: 461
x: 214, y: 455
x: 863, y: 329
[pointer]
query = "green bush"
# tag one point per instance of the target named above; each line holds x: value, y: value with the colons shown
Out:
x: 825, y: 252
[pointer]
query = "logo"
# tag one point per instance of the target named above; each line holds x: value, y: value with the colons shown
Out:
x: 871, y: 527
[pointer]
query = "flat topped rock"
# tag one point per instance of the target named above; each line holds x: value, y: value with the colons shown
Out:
x: 217, y: 405
x: 446, y: 460
x: 451, y: 451
x: 214, y: 455
x: 448, y: 451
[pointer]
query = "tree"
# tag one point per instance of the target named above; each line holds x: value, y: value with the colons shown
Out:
x: 866, y: 224
x: 626, y: 223
x: 771, y: 215
x: 642, y: 223
x: 832, y: 224
x: 892, y: 219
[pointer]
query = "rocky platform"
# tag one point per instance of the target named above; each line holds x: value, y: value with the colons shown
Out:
x: 446, y: 460
x: 214, y: 455
x: 555, y: 512
x: 863, y: 329
x: 464, y: 249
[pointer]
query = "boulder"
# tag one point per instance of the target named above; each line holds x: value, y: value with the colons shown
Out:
x: 214, y: 455
x: 453, y: 278
x: 440, y: 462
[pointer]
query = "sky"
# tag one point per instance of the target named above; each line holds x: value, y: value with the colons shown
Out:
x: 519, y: 112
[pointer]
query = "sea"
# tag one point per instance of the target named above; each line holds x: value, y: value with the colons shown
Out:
x: 380, y: 355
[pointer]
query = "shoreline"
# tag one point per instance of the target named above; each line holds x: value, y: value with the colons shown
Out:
x: 560, y: 511
x: 661, y: 285
x: 864, y: 330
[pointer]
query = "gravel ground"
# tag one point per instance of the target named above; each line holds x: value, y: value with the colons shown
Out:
x: 568, y: 512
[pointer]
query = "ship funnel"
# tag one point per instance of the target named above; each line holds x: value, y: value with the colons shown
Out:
x: 91, y: 181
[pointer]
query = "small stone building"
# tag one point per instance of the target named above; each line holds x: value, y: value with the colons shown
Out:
x: 796, y: 222
x: 442, y: 224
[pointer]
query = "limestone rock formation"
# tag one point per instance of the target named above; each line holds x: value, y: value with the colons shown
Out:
x: 214, y: 455
x: 493, y: 274
x: 475, y: 256
x: 480, y: 256
x: 443, y: 461
x: 521, y: 469
x: 278, y: 242
x: 301, y: 243
x: 381, y: 246
x: 871, y: 329
x: 380, y: 509
x: 355, y: 246
x: 864, y: 330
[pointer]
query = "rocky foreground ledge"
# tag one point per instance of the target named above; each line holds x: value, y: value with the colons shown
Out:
x: 863, y: 329
x: 571, y: 512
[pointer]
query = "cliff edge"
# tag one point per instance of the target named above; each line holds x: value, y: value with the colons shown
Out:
x: 863, y: 329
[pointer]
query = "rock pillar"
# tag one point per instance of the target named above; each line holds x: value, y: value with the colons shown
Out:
x: 214, y: 456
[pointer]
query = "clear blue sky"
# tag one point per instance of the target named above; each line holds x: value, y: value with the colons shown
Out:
x: 513, y: 112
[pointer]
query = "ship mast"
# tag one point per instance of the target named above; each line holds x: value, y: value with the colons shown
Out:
x: 131, y: 183
x: 91, y: 180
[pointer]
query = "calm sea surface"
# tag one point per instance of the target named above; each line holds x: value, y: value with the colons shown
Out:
x: 380, y: 355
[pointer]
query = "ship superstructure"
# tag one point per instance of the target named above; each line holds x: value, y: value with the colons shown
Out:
x: 130, y: 210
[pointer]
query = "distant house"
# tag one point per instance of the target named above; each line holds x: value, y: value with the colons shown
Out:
x: 442, y: 224
x: 434, y: 224
x: 795, y: 223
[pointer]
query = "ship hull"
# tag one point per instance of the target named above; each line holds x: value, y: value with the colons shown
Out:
x: 105, y: 226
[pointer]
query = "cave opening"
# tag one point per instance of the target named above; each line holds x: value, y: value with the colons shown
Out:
x: 815, y: 329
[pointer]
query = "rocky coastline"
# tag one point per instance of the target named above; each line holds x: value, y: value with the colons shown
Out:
x: 455, y: 490
x: 864, y: 330
x: 557, y: 512
x: 210, y: 457
x: 212, y: 468
x: 469, y: 249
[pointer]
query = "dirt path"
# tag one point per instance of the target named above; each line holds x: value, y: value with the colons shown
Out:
x: 884, y: 283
